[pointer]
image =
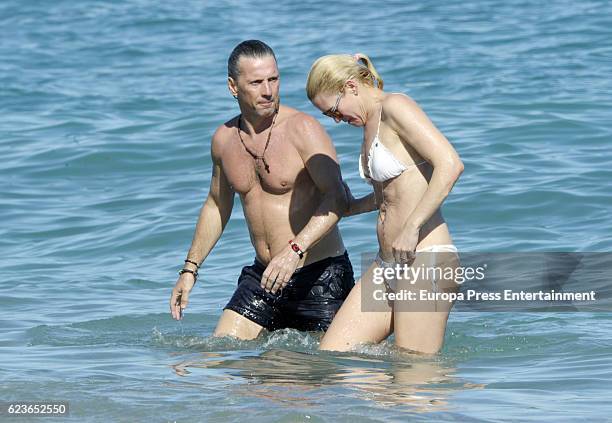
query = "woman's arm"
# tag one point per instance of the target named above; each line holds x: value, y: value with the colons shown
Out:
x: 415, y: 129
x: 364, y: 204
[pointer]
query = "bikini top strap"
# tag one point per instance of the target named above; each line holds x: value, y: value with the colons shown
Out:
x: 379, y: 119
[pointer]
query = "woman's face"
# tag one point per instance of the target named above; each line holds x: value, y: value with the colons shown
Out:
x: 341, y: 107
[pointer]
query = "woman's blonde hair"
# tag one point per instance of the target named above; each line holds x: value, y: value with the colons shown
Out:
x: 329, y: 73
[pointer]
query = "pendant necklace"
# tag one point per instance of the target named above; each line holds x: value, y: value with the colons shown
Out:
x: 255, y: 156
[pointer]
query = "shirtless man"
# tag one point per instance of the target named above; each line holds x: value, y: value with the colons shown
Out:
x: 284, y: 167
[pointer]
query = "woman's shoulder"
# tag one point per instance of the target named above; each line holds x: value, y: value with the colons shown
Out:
x: 394, y: 101
x: 398, y: 107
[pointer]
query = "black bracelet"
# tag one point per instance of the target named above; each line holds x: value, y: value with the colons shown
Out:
x: 193, y: 272
x: 192, y: 262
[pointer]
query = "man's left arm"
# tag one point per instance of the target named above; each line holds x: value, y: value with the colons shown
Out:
x: 319, y: 157
x: 321, y: 162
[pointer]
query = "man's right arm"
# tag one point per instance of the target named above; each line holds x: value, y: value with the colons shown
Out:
x: 214, y: 215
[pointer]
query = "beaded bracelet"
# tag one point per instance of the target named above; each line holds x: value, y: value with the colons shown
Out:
x: 192, y: 262
x: 296, y: 249
x: 193, y: 272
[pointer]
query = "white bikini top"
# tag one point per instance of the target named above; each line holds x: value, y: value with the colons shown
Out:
x: 382, y: 164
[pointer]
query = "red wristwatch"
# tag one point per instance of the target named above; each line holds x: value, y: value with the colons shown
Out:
x: 296, y: 248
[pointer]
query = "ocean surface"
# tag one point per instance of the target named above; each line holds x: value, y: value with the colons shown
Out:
x: 106, y: 114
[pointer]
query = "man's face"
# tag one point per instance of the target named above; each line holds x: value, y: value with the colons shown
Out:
x: 257, y: 85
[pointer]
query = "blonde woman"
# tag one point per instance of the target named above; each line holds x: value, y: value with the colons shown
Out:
x: 412, y: 168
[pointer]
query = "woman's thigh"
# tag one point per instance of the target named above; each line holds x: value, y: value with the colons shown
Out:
x: 353, y: 326
x: 420, y: 325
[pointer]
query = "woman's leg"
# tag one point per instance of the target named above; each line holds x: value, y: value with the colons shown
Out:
x: 351, y: 326
x: 420, y: 325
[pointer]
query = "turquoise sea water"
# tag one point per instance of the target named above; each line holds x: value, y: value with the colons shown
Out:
x: 107, y: 109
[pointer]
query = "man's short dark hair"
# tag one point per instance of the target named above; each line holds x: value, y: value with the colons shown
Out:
x: 251, y: 48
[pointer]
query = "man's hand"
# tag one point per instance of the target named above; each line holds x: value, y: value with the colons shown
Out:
x: 279, y: 270
x: 405, y: 244
x: 180, y: 295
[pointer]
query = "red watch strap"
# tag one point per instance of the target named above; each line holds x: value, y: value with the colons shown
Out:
x: 296, y: 248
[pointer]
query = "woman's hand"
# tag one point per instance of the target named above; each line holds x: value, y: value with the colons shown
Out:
x: 359, y: 205
x: 405, y: 244
x: 350, y: 200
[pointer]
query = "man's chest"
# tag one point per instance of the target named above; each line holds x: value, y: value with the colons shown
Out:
x: 275, y: 170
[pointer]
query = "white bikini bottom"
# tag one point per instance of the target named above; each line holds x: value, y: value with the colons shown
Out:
x: 391, y: 283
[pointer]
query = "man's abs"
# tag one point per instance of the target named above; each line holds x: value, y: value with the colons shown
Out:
x: 275, y: 219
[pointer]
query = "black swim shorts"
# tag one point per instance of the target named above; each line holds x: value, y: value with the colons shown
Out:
x: 309, y: 302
